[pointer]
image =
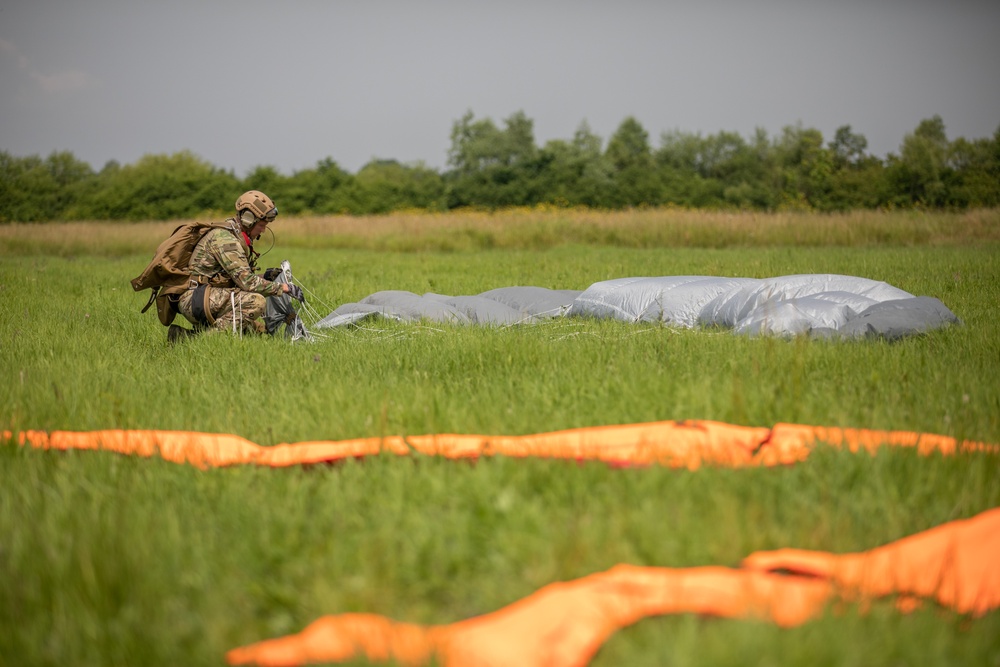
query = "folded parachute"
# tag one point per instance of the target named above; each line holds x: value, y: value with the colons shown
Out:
x: 820, y: 305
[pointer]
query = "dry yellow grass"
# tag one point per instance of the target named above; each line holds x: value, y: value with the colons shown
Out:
x: 540, y: 227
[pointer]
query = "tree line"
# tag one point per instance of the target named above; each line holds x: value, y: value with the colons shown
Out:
x: 493, y: 166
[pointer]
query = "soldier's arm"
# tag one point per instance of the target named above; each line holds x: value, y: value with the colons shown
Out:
x: 233, y: 261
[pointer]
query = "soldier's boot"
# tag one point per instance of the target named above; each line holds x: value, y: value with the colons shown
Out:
x: 177, y: 333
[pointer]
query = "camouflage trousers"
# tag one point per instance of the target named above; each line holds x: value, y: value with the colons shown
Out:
x: 228, y: 306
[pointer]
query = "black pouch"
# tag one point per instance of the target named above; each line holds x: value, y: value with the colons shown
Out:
x: 200, y: 308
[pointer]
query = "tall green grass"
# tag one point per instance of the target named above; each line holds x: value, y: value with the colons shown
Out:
x: 112, y: 560
x: 77, y: 354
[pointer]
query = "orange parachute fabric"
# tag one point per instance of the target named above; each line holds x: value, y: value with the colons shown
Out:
x: 564, y: 624
x: 678, y: 444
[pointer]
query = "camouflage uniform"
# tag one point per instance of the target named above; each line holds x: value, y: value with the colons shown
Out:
x: 236, y: 295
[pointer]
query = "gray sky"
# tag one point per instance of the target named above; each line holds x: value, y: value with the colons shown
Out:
x: 246, y: 83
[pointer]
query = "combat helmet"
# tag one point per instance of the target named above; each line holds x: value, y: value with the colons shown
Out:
x: 258, y: 203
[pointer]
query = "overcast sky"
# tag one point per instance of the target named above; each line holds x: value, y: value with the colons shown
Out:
x: 288, y: 83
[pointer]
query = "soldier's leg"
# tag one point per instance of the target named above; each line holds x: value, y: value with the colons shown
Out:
x: 237, y: 310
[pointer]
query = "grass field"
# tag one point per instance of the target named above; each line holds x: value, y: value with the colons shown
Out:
x: 111, y: 560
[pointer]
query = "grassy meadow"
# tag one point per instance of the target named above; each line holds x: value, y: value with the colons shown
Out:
x: 106, y: 559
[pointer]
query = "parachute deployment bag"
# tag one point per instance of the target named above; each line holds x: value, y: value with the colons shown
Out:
x: 168, y: 274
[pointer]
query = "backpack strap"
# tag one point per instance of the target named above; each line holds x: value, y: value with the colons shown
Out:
x: 152, y: 298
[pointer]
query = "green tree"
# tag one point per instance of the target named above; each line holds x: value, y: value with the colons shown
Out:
x: 382, y: 186
x: 492, y: 167
x: 161, y: 187
x: 863, y: 185
x: 477, y: 145
x: 740, y: 169
x: 721, y: 170
x: 974, y: 167
x: 636, y: 181
x: 575, y: 172
x: 316, y: 190
x: 921, y: 170
x: 629, y: 146
x: 858, y: 179
x: 848, y: 147
x: 267, y: 179
x: 678, y: 163
x: 806, y: 168
x: 474, y: 144
x: 37, y: 190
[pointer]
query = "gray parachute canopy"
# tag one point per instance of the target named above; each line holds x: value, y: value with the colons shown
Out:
x: 506, y: 305
x: 822, y: 305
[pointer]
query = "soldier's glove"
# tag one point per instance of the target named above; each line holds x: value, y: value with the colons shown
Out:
x: 295, y: 292
x: 272, y: 273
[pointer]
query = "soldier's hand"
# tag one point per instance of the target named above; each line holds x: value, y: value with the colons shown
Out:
x: 295, y: 292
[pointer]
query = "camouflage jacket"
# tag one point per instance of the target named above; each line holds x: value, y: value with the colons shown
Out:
x: 222, y: 256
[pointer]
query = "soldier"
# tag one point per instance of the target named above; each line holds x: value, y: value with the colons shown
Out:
x: 224, y: 292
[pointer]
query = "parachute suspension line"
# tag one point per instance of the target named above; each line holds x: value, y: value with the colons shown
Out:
x: 307, y: 310
x: 232, y: 304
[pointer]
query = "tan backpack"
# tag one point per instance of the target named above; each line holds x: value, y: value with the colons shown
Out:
x: 168, y: 274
